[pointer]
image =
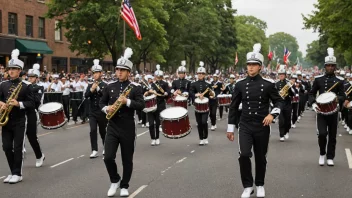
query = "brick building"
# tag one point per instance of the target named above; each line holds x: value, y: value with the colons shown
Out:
x: 23, y: 26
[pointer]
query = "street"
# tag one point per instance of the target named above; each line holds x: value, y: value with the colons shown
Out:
x: 181, y: 168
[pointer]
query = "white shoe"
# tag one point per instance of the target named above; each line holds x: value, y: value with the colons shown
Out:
x: 293, y: 126
x: 343, y: 123
x: 143, y: 126
x: 103, y: 152
x: 113, y: 188
x: 219, y: 119
x: 345, y: 126
x: 157, y: 142
x: 215, y: 126
x: 15, y: 179
x: 260, y: 191
x: 330, y: 162
x: 7, y: 179
x: 148, y: 124
x: 350, y: 132
x: 124, y: 192
x: 94, y: 154
x: 206, y: 141
x: 302, y: 114
x: 160, y: 129
x: 287, y: 136
x: 282, y: 139
x: 39, y: 162
x: 212, y: 128
x: 348, y: 129
x: 299, y: 117
x: 140, y: 122
x: 322, y: 160
x: 201, y: 143
x: 152, y: 143
x: 247, y: 192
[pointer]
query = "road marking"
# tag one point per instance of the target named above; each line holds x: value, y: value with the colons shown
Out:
x: 349, y: 157
x: 137, y: 191
x: 192, y: 151
x: 53, y: 166
x: 80, y: 156
x: 181, y: 160
x: 45, y: 134
x: 75, y: 126
x: 142, y: 133
x: 2, y: 177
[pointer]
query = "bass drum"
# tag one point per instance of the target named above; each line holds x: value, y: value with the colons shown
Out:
x: 175, y: 122
x: 180, y: 101
x: 327, y: 102
x: 52, y: 115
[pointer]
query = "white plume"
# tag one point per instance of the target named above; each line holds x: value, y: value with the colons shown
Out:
x: 36, y: 66
x: 128, y: 53
x: 183, y: 63
x: 282, y: 67
x: 157, y: 67
x: 15, y: 53
x: 96, y: 62
x: 136, y: 72
x: 217, y: 71
x: 331, y: 51
x: 257, y: 47
x: 201, y: 63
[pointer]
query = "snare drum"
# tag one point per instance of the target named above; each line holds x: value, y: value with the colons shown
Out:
x: 180, y: 101
x: 175, y: 122
x: 224, y: 99
x: 327, y: 103
x: 52, y: 115
x: 150, y: 103
x: 76, y: 95
x: 295, y: 99
x: 52, y: 97
x: 201, y: 106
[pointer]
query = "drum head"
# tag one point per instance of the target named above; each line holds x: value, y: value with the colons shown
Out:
x: 149, y: 97
x: 326, y: 97
x: 50, y: 107
x: 198, y: 100
x: 221, y: 96
x: 180, y: 98
x: 173, y: 113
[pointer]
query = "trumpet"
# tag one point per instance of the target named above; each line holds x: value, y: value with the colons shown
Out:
x: 160, y: 89
x: 4, y: 112
x: 117, y: 104
x: 284, y: 91
x: 348, y: 91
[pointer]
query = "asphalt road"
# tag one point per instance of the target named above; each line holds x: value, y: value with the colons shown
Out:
x: 181, y: 168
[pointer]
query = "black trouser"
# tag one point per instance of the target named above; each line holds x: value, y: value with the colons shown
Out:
x: 66, y: 104
x: 344, y: 113
x: 349, y: 118
x: 31, y: 132
x: 154, y: 128
x: 84, y: 109
x: 327, y: 126
x: 75, y: 112
x: 221, y: 111
x: 144, y: 117
x: 294, y: 112
x: 202, y: 125
x: 13, y: 143
x: 256, y: 135
x: 301, y: 105
x: 97, y: 118
x: 213, y: 105
x: 139, y: 114
x: 120, y: 134
x: 285, y: 120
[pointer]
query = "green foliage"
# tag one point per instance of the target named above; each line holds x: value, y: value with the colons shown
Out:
x: 279, y: 41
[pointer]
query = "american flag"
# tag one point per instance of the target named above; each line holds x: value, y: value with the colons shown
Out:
x: 286, y: 55
x: 128, y: 15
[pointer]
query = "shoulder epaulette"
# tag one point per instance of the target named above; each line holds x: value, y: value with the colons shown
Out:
x: 269, y: 80
x: 111, y: 82
x: 135, y: 84
x: 340, y: 78
x: 318, y: 76
x: 26, y: 82
x: 240, y: 80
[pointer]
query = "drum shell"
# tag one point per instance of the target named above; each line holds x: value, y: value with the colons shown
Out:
x: 150, y: 104
x: 175, y: 128
x: 201, y: 106
x: 180, y: 102
x: 327, y: 107
x: 52, y: 120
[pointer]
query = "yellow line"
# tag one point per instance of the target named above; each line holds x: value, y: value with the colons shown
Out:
x: 45, y: 134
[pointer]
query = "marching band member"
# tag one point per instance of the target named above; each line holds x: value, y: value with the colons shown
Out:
x: 301, y: 105
x: 13, y: 131
x: 65, y: 88
x: 161, y: 89
x: 255, y: 94
x: 121, y: 129
x: 139, y: 113
x: 295, y: 102
x: 31, y: 114
x: 146, y: 86
x: 96, y: 117
x: 327, y: 124
x: 213, y: 103
x: 181, y: 86
x: 197, y: 89
x: 285, y: 115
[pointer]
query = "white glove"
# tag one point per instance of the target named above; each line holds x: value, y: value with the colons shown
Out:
x: 165, y: 93
x: 314, y: 106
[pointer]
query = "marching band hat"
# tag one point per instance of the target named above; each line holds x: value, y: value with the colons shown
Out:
x: 232, y: 76
x: 330, y: 59
x: 342, y: 73
x: 182, y: 68
x: 255, y: 56
x: 282, y: 69
x: 201, y: 68
x: 15, y: 62
x: 294, y: 76
x: 348, y: 75
x: 35, y: 71
x: 124, y: 62
x: 96, y: 67
x: 158, y: 72
x: 298, y: 73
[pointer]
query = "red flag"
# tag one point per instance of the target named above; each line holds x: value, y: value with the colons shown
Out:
x: 236, y: 59
x: 286, y: 55
x: 128, y: 15
x: 271, y: 54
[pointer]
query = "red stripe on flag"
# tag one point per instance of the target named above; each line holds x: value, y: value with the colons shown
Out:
x: 128, y: 15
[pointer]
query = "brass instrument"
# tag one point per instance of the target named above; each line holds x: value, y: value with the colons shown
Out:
x: 117, y: 104
x: 348, y: 91
x: 160, y: 89
x: 206, y: 91
x: 4, y: 113
x: 333, y: 86
x: 284, y: 91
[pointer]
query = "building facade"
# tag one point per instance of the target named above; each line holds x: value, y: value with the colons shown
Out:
x: 23, y: 26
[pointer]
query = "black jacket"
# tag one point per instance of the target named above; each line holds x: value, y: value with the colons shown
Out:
x: 181, y: 84
x: 95, y: 96
x: 38, y: 92
x: 161, y: 100
x: 229, y: 89
x: 199, y: 87
x: 291, y: 92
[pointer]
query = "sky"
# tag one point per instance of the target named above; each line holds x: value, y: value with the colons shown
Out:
x: 281, y: 16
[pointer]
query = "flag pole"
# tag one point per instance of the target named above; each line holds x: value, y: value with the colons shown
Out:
x: 124, y: 35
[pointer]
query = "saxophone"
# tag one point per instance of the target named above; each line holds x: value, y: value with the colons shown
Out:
x: 284, y: 91
x: 4, y: 113
x: 160, y: 89
x: 117, y: 104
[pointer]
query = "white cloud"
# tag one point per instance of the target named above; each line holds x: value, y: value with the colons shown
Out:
x: 281, y: 16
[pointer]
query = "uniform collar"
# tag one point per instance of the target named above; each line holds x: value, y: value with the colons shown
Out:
x: 256, y: 77
x: 17, y: 80
x: 329, y: 75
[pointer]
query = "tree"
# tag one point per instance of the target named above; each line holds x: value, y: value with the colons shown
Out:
x: 279, y: 41
x: 251, y: 20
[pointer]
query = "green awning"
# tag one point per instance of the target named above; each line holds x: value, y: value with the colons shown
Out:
x: 36, y: 47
